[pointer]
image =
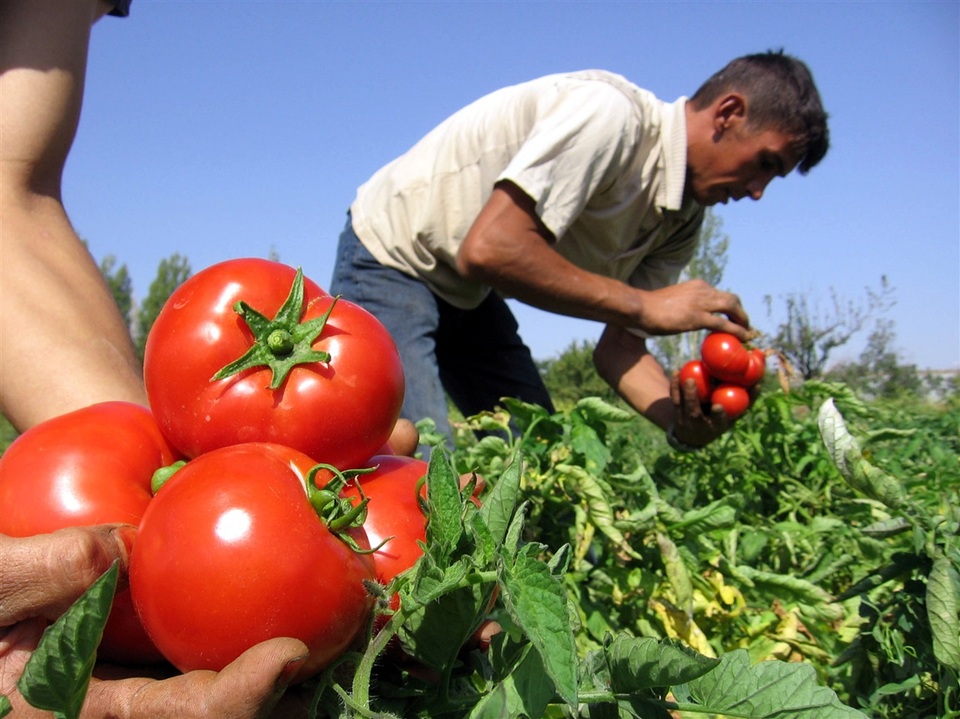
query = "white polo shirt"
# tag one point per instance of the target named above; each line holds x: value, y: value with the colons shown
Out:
x: 604, y: 160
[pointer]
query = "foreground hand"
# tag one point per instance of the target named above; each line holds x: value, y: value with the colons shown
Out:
x: 41, y: 576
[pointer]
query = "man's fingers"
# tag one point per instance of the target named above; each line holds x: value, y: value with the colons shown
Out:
x: 42, y: 576
x: 248, y: 688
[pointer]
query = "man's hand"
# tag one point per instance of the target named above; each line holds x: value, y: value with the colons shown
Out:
x: 693, y: 426
x: 41, y: 576
x: 694, y: 305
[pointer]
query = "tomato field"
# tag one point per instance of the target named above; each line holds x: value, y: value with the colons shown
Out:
x: 803, y: 565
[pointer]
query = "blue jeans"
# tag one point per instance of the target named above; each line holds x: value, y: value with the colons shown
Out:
x: 475, y: 356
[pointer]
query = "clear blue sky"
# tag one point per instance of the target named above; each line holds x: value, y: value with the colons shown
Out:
x: 224, y: 128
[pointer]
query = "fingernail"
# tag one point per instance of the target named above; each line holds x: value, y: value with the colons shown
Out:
x: 289, y: 672
x: 127, y: 535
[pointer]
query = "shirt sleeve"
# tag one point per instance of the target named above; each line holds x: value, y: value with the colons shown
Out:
x: 581, y: 142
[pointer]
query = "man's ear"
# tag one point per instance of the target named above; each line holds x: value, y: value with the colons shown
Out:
x: 729, y: 111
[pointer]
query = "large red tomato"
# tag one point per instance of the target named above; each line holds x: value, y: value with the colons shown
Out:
x: 231, y: 552
x: 90, y: 466
x: 323, y: 376
x: 724, y: 357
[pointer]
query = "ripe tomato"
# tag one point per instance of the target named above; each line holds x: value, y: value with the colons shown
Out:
x: 756, y: 368
x: 694, y: 370
x: 724, y: 356
x: 733, y: 398
x: 231, y: 552
x: 90, y: 466
x: 393, y: 512
x: 334, y: 396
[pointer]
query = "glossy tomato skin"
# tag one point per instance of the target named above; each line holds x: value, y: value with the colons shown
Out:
x: 90, y: 466
x: 733, y: 398
x: 694, y: 370
x: 393, y: 512
x: 338, y: 412
x: 756, y: 368
x: 231, y: 553
x: 724, y: 357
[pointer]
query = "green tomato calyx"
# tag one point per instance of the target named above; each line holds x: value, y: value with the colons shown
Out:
x: 283, y: 342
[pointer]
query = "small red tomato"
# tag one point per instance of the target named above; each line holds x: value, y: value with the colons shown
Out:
x: 756, y: 368
x: 231, y: 552
x: 734, y: 399
x: 393, y: 512
x: 694, y: 370
x: 724, y: 357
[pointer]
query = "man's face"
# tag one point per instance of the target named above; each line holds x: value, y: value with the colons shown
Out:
x: 738, y: 162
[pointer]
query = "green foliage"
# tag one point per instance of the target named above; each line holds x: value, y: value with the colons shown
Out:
x: 171, y: 273
x: 120, y: 284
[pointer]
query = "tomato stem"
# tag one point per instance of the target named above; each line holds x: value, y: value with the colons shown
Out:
x: 283, y: 342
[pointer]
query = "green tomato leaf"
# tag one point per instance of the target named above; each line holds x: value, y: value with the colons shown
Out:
x: 499, y: 505
x: 526, y: 691
x: 645, y: 663
x: 597, y: 410
x: 943, y: 611
x: 766, y: 690
x: 536, y: 601
x: 445, y: 522
x: 57, y: 674
x: 5, y: 706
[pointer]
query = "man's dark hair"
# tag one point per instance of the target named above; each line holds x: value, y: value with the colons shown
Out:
x: 780, y: 94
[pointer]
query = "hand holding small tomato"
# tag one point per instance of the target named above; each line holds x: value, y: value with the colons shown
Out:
x: 711, y: 393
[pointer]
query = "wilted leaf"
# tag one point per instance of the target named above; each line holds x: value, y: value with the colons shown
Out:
x: 943, y: 610
x: 846, y: 454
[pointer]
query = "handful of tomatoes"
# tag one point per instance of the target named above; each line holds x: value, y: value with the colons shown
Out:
x: 725, y: 372
x: 259, y: 382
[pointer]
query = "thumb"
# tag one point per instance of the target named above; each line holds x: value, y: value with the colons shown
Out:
x: 44, y: 574
x: 247, y: 688
x: 261, y: 674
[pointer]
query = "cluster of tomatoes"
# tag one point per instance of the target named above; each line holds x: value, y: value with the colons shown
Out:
x: 725, y: 372
x: 261, y: 477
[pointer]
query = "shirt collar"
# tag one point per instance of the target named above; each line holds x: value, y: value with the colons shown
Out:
x: 674, y: 139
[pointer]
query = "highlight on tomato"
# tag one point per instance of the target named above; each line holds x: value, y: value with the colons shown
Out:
x: 732, y: 398
x: 250, y: 350
x: 90, y: 466
x: 233, y: 550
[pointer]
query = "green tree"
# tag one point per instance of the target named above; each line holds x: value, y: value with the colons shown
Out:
x: 880, y: 374
x: 171, y: 273
x: 809, y: 334
x: 572, y: 376
x: 708, y: 265
x: 120, y: 284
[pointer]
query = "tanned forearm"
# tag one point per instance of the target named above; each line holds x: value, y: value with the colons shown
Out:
x: 509, y: 249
